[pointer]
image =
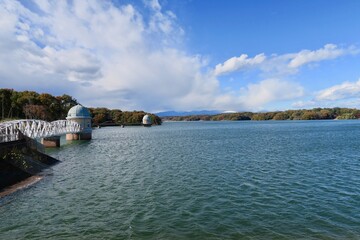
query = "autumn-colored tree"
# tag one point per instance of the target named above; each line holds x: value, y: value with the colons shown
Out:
x: 281, y: 116
x: 310, y: 115
x: 35, y: 112
x: 99, y: 118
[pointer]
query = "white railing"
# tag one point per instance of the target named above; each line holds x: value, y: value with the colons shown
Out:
x: 12, y: 130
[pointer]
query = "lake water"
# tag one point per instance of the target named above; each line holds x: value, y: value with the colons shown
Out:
x: 198, y: 180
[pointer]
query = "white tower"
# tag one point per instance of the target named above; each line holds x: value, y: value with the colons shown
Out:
x: 146, y: 121
x: 81, y: 115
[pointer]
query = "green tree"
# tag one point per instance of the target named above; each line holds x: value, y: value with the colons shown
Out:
x: 346, y: 116
x: 6, y: 104
x: 66, y: 102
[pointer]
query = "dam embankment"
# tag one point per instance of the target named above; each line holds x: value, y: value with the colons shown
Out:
x: 20, y: 161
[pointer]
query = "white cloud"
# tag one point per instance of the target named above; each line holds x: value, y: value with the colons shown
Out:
x: 270, y: 90
x: 238, y: 63
x: 345, y: 90
x: 258, y: 96
x: 346, y: 94
x: 329, y: 51
x: 282, y: 65
x: 154, y: 5
x: 105, y: 53
x: 164, y: 23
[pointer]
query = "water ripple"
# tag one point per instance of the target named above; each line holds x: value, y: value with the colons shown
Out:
x: 244, y: 180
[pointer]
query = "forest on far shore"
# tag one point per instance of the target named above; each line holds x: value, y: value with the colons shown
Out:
x: 32, y: 105
x: 303, y: 114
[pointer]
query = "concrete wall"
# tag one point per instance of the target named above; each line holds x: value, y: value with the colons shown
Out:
x: 51, y: 142
x: 21, y: 160
x: 78, y: 136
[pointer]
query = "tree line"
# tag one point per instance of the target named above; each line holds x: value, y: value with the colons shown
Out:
x: 303, y: 114
x: 44, y: 106
x: 108, y: 117
x: 32, y: 105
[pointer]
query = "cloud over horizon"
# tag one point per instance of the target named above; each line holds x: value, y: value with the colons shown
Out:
x: 119, y: 56
x: 342, y: 91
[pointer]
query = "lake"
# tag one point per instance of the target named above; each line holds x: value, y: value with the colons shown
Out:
x: 197, y: 180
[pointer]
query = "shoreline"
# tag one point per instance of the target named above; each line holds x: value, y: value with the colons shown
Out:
x: 28, y: 182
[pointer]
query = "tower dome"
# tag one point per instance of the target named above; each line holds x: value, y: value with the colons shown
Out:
x: 78, y: 111
x: 146, y: 121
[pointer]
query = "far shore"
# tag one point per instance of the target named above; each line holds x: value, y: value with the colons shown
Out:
x: 301, y: 114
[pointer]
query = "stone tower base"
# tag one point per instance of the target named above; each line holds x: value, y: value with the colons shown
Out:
x: 78, y: 136
x: 51, y: 142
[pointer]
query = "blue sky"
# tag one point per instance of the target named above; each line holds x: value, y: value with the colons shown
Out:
x: 160, y: 55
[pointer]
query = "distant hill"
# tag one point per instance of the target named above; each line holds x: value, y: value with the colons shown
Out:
x: 190, y: 113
